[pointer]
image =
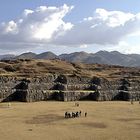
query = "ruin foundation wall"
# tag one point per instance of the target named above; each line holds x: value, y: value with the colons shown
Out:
x: 67, y: 88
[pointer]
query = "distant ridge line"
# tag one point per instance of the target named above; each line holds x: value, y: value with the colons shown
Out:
x: 101, y: 57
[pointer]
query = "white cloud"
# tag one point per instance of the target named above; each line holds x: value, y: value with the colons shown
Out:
x: 113, y: 18
x: 41, y: 25
x: 27, y: 12
x: 46, y: 25
x: 9, y: 28
x: 83, y: 46
x: 104, y: 27
x: 123, y: 47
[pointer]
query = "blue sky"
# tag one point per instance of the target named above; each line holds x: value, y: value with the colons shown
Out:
x: 115, y: 30
x: 10, y: 9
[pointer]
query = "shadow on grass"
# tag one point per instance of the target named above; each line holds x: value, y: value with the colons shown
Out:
x: 94, y: 125
x: 45, y: 119
x: 53, y: 118
x: 128, y: 119
x: 138, y: 124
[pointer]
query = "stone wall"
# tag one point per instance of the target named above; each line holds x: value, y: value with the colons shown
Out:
x: 67, y: 88
x: 7, y: 87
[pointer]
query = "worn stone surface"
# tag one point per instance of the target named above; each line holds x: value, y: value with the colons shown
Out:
x: 67, y: 88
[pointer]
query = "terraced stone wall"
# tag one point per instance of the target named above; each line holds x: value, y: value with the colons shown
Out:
x: 67, y: 88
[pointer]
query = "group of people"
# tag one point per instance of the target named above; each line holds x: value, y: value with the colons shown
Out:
x: 74, y: 114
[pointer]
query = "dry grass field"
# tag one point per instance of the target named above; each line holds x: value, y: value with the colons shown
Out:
x: 45, y: 121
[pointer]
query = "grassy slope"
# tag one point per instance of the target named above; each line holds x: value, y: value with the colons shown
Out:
x: 42, y: 67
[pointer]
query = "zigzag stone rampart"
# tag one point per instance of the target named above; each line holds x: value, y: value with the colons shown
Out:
x: 67, y: 88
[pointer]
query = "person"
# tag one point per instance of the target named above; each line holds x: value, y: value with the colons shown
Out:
x: 77, y: 114
x: 85, y: 114
x: 77, y: 104
x: 80, y: 113
x: 73, y: 115
x: 66, y: 114
x: 69, y: 115
x: 132, y: 101
x: 9, y: 104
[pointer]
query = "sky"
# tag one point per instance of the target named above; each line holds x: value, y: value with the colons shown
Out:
x: 65, y: 26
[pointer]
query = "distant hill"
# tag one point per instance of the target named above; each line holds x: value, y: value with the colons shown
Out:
x: 28, y: 55
x: 7, y: 56
x: 104, y: 57
x: 46, y: 55
x: 111, y: 58
x: 75, y: 57
x: 101, y: 57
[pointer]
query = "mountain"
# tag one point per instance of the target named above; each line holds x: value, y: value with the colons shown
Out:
x: 46, y: 55
x: 75, y: 57
x: 101, y: 57
x: 28, y: 55
x: 112, y: 58
x: 104, y: 57
x: 117, y: 58
x: 7, y: 56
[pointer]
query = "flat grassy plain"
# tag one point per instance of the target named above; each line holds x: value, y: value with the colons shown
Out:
x: 45, y: 121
